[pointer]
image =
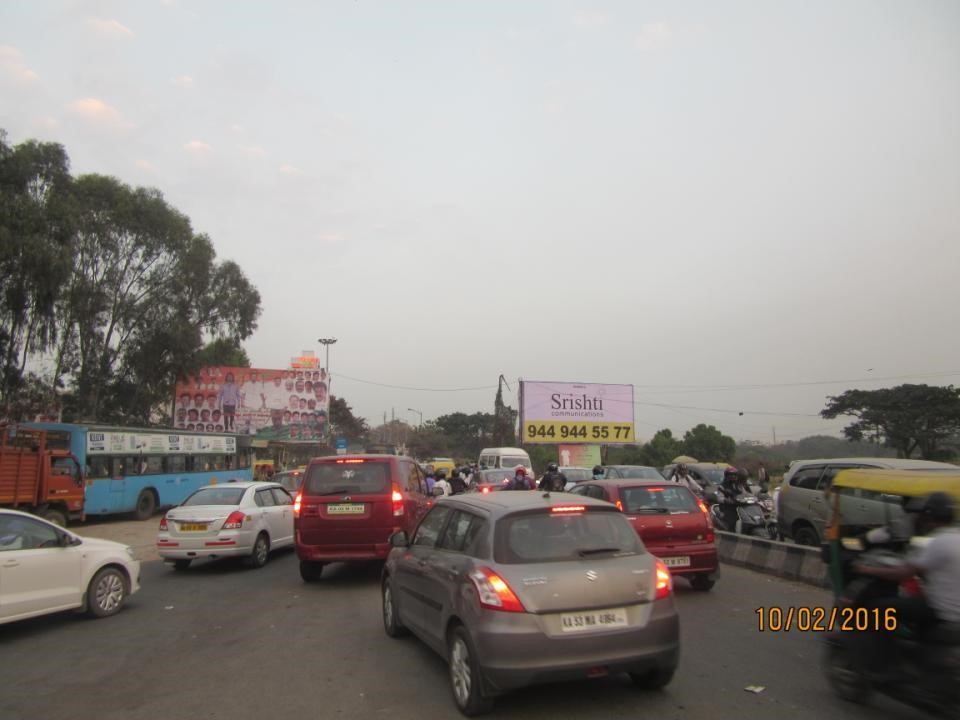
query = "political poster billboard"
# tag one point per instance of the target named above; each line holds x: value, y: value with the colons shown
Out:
x: 576, y: 413
x: 285, y: 405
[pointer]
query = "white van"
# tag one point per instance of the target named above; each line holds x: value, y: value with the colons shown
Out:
x: 506, y: 458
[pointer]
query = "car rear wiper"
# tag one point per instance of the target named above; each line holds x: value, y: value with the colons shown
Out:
x: 337, y: 491
x: 651, y: 510
x: 596, y: 551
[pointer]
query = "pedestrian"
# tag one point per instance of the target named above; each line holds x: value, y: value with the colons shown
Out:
x: 763, y: 480
x: 442, y: 483
x: 431, y: 481
x: 681, y: 474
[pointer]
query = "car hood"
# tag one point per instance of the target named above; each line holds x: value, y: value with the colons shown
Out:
x: 100, y: 544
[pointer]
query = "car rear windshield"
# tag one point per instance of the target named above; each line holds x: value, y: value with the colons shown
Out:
x: 496, y: 476
x: 216, y: 496
x: 640, y: 473
x: 360, y: 478
x: 512, y: 462
x: 578, y: 475
x: 665, y: 499
x: 290, y: 481
x: 548, y: 536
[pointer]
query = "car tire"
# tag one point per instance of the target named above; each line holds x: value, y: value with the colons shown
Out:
x: 146, y: 505
x: 806, y: 535
x: 391, y: 618
x: 55, y: 516
x: 653, y: 680
x: 310, y: 571
x: 261, y: 551
x: 107, y: 592
x: 182, y: 564
x: 702, y: 583
x: 466, y: 679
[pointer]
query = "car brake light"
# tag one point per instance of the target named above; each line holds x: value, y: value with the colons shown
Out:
x: 711, y: 536
x: 296, y: 504
x: 234, y: 521
x: 619, y: 506
x: 485, y: 490
x: 163, y: 523
x: 352, y: 461
x: 493, y: 591
x: 397, y: 499
x: 568, y: 509
x: 664, y: 581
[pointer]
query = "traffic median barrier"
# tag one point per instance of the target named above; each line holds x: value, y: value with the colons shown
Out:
x: 785, y: 560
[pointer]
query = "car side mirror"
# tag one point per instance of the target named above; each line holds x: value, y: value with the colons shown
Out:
x: 399, y: 539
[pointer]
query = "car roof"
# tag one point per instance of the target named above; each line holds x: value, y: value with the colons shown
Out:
x: 244, y: 484
x: 892, y: 463
x: 649, y: 467
x: 507, y: 502
x: 630, y: 482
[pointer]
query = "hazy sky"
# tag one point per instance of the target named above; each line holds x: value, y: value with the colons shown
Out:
x: 734, y: 206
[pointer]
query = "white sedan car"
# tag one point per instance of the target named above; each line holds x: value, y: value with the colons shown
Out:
x: 46, y: 569
x: 234, y: 519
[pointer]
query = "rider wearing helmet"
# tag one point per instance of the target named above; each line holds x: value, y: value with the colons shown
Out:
x: 598, y: 472
x: 938, y: 563
x: 520, y: 479
x: 729, y: 490
x: 553, y: 480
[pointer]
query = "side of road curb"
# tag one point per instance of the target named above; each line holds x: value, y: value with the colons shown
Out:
x: 784, y: 560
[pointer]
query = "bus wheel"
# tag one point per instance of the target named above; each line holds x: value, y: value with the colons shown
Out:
x: 146, y: 505
x: 54, y: 516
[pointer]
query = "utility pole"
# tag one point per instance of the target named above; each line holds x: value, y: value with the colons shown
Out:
x: 327, y: 342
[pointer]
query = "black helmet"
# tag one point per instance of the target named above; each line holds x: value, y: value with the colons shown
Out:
x: 552, y: 467
x: 441, y: 473
x: 939, y: 506
x: 598, y: 470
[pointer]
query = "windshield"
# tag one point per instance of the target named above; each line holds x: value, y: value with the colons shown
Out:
x: 640, y: 473
x: 362, y: 478
x: 512, y: 462
x: 667, y: 499
x: 290, y: 481
x: 576, y: 474
x: 495, y: 476
x: 215, y: 496
x: 546, y: 536
x: 714, y: 477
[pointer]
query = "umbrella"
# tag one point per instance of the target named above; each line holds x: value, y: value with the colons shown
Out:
x: 686, y: 459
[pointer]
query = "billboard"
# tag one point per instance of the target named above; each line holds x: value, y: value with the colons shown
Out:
x: 292, y: 405
x: 586, y: 456
x: 576, y: 413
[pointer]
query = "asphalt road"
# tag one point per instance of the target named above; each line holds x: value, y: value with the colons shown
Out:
x: 224, y: 641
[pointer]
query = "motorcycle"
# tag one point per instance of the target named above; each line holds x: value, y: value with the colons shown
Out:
x: 752, y: 517
x: 927, y: 668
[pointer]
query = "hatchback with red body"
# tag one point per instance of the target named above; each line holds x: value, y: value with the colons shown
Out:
x: 672, y: 522
x: 349, y: 506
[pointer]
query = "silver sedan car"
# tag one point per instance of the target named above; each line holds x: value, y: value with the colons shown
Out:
x: 522, y: 588
x: 235, y: 519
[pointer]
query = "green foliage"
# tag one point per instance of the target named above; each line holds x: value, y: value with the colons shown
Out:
x: 907, y: 417
x: 344, y: 423
x: 707, y: 444
x: 222, y: 351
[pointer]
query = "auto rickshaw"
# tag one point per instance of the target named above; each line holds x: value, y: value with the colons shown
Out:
x: 870, y: 523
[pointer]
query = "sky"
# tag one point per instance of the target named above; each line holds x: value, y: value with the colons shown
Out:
x: 737, y: 207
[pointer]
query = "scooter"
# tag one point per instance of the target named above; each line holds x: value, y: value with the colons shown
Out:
x: 927, y: 668
x: 751, y: 519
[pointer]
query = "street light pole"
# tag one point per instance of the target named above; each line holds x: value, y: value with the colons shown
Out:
x: 418, y: 413
x: 327, y: 342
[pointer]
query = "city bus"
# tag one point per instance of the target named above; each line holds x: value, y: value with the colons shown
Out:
x: 134, y: 470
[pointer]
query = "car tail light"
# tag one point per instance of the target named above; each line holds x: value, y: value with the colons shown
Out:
x: 163, y: 523
x: 234, y: 521
x: 711, y: 535
x: 397, y: 499
x: 296, y: 504
x: 664, y: 581
x: 485, y: 490
x: 494, y: 592
x: 352, y: 461
x: 619, y: 506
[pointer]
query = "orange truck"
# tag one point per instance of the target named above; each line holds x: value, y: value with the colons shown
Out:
x: 37, y: 479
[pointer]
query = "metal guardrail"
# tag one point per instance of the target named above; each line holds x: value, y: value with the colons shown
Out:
x: 786, y: 560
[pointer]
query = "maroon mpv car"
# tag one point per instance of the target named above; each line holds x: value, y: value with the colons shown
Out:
x: 672, y: 523
x: 350, y: 505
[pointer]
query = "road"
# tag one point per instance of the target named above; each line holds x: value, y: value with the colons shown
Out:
x: 223, y: 641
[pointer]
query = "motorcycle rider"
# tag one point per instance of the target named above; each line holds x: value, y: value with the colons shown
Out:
x: 938, y: 563
x: 457, y: 484
x: 729, y: 490
x: 553, y: 480
x: 441, y: 482
x: 598, y: 472
x: 520, y: 480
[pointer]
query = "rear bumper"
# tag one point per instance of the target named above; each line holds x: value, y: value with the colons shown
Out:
x: 225, y: 544
x: 515, y: 652
x: 343, y: 553
x: 703, y: 558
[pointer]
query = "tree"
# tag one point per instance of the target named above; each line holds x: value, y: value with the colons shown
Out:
x: 662, y: 448
x: 344, y: 422
x: 35, y: 228
x: 225, y: 352
x: 467, y: 435
x: 505, y: 418
x: 907, y: 417
x: 708, y: 444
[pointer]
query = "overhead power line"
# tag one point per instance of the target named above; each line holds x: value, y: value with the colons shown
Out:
x: 418, y: 389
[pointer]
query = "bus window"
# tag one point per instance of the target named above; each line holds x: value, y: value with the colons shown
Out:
x: 219, y: 462
x: 151, y: 465
x: 243, y: 457
x: 120, y: 466
x: 177, y: 463
x: 98, y: 466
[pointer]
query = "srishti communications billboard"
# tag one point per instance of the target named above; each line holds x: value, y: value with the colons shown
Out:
x: 564, y: 413
x: 288, y: 405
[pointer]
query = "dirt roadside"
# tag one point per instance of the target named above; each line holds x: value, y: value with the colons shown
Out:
x: 141, y: 535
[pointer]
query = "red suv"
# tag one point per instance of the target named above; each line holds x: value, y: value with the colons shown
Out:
x: 350, y: 505
x: 672, y: 523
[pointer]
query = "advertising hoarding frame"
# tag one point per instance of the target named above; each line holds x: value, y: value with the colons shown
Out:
x: 586, y: 421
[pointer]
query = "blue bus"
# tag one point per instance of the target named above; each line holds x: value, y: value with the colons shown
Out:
x: 134, y: 470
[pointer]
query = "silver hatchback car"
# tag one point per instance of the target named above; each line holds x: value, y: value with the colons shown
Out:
x: 522, y: 588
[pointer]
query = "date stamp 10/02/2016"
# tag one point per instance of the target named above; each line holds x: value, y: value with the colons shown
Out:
x: 818, y: 619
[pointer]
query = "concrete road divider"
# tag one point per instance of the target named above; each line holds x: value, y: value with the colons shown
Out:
x: 785, y: 560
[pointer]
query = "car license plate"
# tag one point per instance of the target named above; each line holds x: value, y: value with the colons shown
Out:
x: 345, y: 509
x: 193, y: 527
x: 579, y: 622
x: 676, y: 561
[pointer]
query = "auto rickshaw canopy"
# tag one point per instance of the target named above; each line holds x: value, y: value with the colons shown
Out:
x: 905, y: 483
